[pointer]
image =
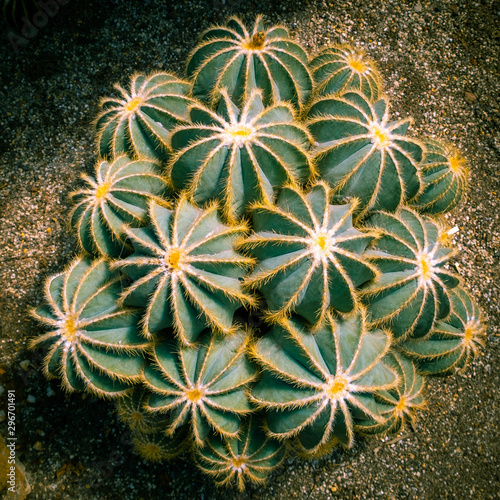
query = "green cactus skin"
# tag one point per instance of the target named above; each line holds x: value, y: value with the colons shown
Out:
x: 93, y: 345
x: 246, y: 459
x: 238, y: 157
x: 444, y: 179
x: 412, y: 292
x: 341, y: 68
x: 185, y: 271
x: 403, y: 400
x: 309, y: 255
x: 204, y: 385
x: 361, y: 154
x: 454, y: 342
x: 289, y: 194
x: 240, y: 60
x: 313, y: 382
x: 117, y: 196
x: 157, y: 446
x: 131, y: 412
x: 138, y: 123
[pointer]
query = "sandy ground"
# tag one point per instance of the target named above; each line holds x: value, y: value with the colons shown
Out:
x: 439, y: 60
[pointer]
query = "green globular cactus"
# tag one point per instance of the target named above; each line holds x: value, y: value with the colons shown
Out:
x: 403, y: 401
x: 131, y: 411
x: 157, y: 446
x: 444, y: 179
x: 309, y: 255
x: 241, y: 60
x: 138, y: 123
x: 362, y: 154
x: 341, y: 68
x: 118, y: 195
x: 412, y: 293
x: 185, y: 271
x: 202, y: 386
x: 283, y: 284
x: 93, y: 344
x: 454, y: 342
x: 313, y: 383
x: 249, y: 458
x: 239, y: 158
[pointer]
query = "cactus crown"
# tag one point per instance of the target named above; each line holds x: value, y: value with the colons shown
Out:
x: 320, y: 220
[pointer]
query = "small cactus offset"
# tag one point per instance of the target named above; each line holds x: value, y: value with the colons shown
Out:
x: 249, y: 458
x: 454, y: 342
x: 93, y: 344
x: 284, y: 193
x: 117, y: 196
x: 341, y: 68
x: 403, y: 401
x: 444, y: 179
x: 138, y: 122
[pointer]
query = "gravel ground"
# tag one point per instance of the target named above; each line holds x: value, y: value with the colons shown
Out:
x: 440, y: 62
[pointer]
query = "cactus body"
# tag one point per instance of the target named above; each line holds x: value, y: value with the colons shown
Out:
x: 413, y: 291
x: 138, y: 123
x: 444, y: 179
x: 454, y: 342
x: 341, y: 68
x: 238, y: 157
x: 157, y: 446
x: 403, y: 401
x: 117, y: 196
x: 361, y: 154
x: 309, y: 255
x: 185, y: 271
x: 312, y: 226
x: 204, y: 385
x: 241, y: 60
x: 248, y: 458
x: 93, y: 344
x: 312, y: 383
x: 131, y: 411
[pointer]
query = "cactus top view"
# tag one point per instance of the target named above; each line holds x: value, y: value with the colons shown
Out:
x: 271, y: 184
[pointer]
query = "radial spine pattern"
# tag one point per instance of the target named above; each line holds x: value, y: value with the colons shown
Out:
x: 185, y: 271
x: 341, y: 68
x: 203, y: 386
x: 454, y: 342
x: 362, y: 154
x: 313, y: 383
x: 138, y: 122
x: 241, y: 60
x: 249, y: 458
x: 238, y: 157
x: 309, y: 255
x: 92, y: 344
x: 412, y: 292
x: 444, y: 179
x: 403, y: 401
x: 118, y: 195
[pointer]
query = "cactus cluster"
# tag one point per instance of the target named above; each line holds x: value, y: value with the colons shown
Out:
x: 275, y: 185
